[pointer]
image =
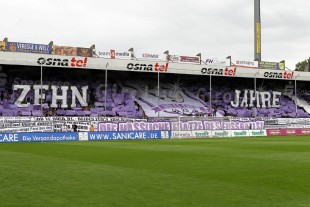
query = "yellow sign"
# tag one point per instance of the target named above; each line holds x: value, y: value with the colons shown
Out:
x: 2, y: 46
x: 282, y: 65
x: 258, y: 42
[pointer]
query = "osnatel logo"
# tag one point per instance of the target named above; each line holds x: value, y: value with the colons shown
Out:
x: 74, y: 62
x: 280, y: 75
x: 149, y: 67
x: 215, y: 71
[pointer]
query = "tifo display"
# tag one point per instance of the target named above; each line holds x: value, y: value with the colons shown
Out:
x: 133, y: 95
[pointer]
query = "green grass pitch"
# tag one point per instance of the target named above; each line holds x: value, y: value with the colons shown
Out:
x: 237, y: 172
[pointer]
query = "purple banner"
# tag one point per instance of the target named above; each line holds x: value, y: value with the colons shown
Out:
x: 183, y: 125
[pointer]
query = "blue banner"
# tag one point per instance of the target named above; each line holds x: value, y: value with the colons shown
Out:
x: 48, y: 137
x: 95, y: 136
x: 28, y: 48
x: 9, y: 137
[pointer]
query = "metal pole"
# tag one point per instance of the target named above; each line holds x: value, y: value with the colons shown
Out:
x: 41, y: 87
x: 158, y: 91
x: 105, y: 90
x: 255, y: 97
x: 257, y: 31
x: 210, y: 98
x: 296, y: 96
x: 179, y: 120
x: 13, y: 97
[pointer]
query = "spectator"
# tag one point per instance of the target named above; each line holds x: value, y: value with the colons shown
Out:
x: 74, y: 127
x: 92, y: 128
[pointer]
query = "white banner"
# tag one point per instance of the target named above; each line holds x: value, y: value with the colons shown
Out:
x: 240, y: 133
x: 112, y: 54
x: 244, y: 63
x: 215, y: 61
x: 11, y: 58
x: 221, y: 133
x: 191, y: 134
x: 258, y: 133
x: 151, y: 56
x: 181, y: 134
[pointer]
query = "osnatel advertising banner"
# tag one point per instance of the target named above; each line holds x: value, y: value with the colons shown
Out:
x: 64, y: 50
x: 84, y: 52
x: 2, y: 46
x: 28, y: 48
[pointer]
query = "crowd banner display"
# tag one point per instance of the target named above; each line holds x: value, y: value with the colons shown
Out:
x: 55, y: 124
x: 64, y: 50
x: 2, y: 46
x: 28, y: 48
x: 183, y: 125
x: 287, y: 123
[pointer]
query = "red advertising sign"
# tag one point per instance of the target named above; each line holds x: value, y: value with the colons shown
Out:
x: 275, y: 132
x: 304, y: 131
x: 188, y: 59
x: 184, y: 59
x: 112, y: 54
x: 287, y: 132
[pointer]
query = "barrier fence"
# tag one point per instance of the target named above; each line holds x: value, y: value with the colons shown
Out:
x: 57, y: 129
x: 135, y: 135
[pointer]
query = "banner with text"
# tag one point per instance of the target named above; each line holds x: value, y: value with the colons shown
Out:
x: 28, y: 48
x: 112, y: 54
x: 269, y: 65
x: 184, y: 59
x: 288, y: 132
x: 182, y: 126
x: 244, y: 63
x: 125, y: 135
x: 49, y: 137
x: 9, y: 137
x: 151, y: 56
